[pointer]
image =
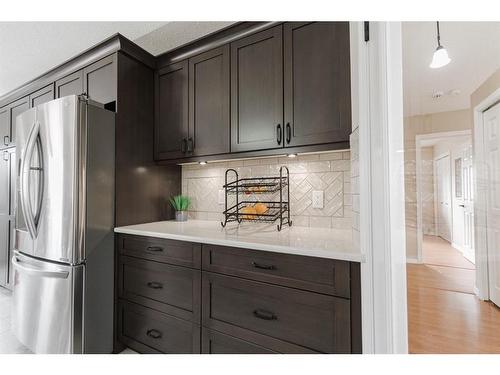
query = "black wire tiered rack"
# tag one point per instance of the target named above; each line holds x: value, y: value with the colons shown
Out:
x: 275, y: 209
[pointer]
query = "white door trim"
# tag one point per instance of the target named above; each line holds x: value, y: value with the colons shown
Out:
x: 419, y: 139
x: 382, y: 220
x: 480, y: 222
x: 360, y: 90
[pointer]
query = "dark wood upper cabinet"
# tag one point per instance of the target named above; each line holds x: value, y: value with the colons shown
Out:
x: 16, y: 109
x: 257, y: 91
x: 41, y: 96
x: 171, y: 120
x: 99, y: 81
x: 5, y: 183
x: 8, y: 116
x: 209, y: 102
x: 317, y: 83
x: 70, y: 85
x: 4, y: 127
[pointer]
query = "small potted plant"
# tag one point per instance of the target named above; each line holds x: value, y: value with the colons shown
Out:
x: 181, y: 204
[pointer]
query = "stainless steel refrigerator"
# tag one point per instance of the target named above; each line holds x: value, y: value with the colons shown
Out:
x: 63, y: 259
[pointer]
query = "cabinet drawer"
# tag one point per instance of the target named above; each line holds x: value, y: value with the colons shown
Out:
x: 314, y: 321
x: 317, y: 274
x: 213, y: 342
x: 150, y: 331
x: 172, y: 289
x: 161, y: 250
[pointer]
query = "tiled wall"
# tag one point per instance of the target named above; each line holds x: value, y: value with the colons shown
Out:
x: 329, y: 172
x: 354, y: 142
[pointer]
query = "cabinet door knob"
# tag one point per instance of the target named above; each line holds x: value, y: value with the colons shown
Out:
x: 6, y: 140
x: 6, y: 155
x: 190, y: 145
x: 184, y: 145
x: 279, y: 134
x: 288, y: 133
x: 154, y: 333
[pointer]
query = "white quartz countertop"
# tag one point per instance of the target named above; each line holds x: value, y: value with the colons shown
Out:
x: 316, y: 242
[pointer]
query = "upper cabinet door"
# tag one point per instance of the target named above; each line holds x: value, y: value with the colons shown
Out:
x: 42, y: 96
x: 70, y: 85
x: 171, y: 118
x: 209, y: 102
x: 317, y: 83
x: 4, y: 127
x: 99, y: 81
x: 257, y: 91
x: 16, y: 109
x: 5, y: 183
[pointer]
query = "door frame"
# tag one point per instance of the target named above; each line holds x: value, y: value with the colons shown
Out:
x: 419, y: 140
x: 381, y: 187
x: 436, y: 207
x: 480, y: 223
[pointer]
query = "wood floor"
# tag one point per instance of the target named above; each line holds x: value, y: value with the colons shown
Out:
x: 444, y: 315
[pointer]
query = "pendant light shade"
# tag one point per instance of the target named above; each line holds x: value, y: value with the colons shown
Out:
x: 440, y: 57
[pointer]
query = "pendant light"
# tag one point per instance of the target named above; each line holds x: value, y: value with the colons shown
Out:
x: 440, y: 57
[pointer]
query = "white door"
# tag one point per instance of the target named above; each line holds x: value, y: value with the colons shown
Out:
x: 468, y: 204
x: 491, y: 122
x: 443, y: 184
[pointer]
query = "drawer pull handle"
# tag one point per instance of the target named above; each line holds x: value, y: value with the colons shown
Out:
x: 154, y: 248
x: 153, y: 333
x: 155, y: 285
x: 264, y: 266
x: 263, y: 314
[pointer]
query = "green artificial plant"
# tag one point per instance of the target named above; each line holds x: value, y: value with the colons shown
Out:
x: 180, y: 202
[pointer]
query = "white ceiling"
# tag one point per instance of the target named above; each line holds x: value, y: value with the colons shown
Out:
x: 29, y: 49
x: 474, y: 49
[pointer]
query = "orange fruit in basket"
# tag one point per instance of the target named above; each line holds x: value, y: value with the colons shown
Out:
x: 261, y: 208
x: 249, y: 210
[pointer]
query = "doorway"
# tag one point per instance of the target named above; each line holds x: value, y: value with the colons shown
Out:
x: 443, y: 197
x: 450, y: 308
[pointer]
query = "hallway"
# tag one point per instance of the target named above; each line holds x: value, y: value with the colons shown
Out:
x: 444, y: 315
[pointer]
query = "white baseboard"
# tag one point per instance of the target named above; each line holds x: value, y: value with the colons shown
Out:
x: 476, y: 292
x: 457, y: 246
x: 412, y: 260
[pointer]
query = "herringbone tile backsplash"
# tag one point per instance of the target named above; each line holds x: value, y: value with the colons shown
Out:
x: 329, y: 172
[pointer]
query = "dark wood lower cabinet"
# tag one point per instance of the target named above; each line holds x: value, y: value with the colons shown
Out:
x: 223, y: 306
x: 314, y: 321
x: 149, y: 331
x: 213, y: 342
x: 171, y: 289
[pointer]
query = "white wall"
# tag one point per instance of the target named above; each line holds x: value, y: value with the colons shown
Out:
x: 454, y: 148
x: 418, y: 125
x: 428, y: 194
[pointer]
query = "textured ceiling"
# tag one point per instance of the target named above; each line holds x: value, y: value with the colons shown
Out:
x: 29, y: 49
x: 474, y: 49
x: 175, y: 34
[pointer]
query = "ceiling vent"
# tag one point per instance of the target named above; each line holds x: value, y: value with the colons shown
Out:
x: 437, y: 94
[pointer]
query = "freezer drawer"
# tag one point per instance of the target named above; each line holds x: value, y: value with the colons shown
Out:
x: 47, y: 305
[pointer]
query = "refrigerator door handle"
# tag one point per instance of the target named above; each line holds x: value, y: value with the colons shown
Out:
x: 24, y: 180
x: 36, y: 271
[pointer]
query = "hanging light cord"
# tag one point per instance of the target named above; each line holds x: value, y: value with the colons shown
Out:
x: 439, y: 35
